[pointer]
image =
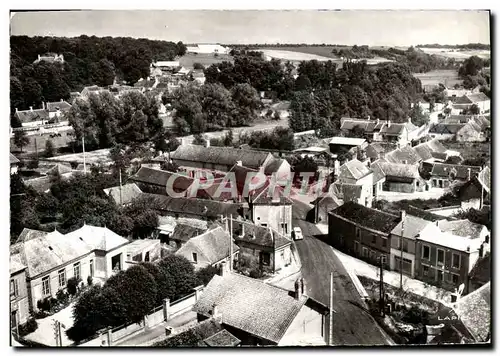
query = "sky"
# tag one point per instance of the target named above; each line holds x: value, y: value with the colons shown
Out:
x: 349, y: 27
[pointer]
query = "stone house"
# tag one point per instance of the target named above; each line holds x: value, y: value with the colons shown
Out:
x: 19, y: 301
x: 476, y: 192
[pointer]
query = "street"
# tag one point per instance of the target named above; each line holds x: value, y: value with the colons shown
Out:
x: 352, y: 325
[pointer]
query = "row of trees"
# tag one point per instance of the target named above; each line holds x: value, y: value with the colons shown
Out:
x: 357, y: 90
x: 212, y: 107
x: 131, y: 294
x: 471, y: 71
x: 87, y: 61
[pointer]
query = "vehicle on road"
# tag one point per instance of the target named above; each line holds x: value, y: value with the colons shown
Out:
x: 297, y: 233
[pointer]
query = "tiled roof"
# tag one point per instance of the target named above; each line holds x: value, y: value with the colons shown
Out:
x: 474, y: 310
x: 442, y: 128
x: 13, y: 159
x: 423, y: 151
x: 241, y: 173
x: 194, y: 336
x: 457, y: 119
x: 160, y: 178
x: 16, y: 263
x: 367, y: 217
x: 353, y: 169
x: 368, y: 126
x: 464, y: 228
x: 461, y: 172
x: 267, y: 314
x: 426, y: 215
x: 129, y: 192
x: 351, y: 192
x: 433, y: 234
x: 32, y: 115
x: 98, y: 238
x: 193, y: 206
x: 472, y: 98
x: 395, y: 170
x: 396, y: 129
x: 482, y: 269
x: 213, y: 244
x: 375, y: 149
x: 183, y: 232
x: 222, y: 339
x: 405, y: 154
x: 220, y: 155
x: 350, y: 141
x: 258, y: 235
x: 61, y: 105
x: 412, y: 226
x: 42, y: 251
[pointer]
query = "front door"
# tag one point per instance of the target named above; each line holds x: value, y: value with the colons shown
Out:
x: 13, y: 320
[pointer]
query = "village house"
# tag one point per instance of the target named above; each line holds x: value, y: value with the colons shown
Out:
x: 403, y: 155
x: 322, y: 206
x: 271, y: 317
x: 193, y: 157
x: 369, y: 128
x: 339, y: 145
x: 442, y: 175
x: 181, y: 233
x: 153, y: 180
x: 405, y: 234
x: 475, y: 130
x: 476, y: 192
x: 50, y: 58
x: 362, y: 232
x: 271, y: 248
x: 378, y: 150
x: 143, y: 250
x: 444, y: 258
x: 445, y: 131
x: 401, y: 133
x: 14, y: 163
x: 165, y: 66
x: 395, y: 177
x: 464, y: 103
x: 355, y: 173
x: 93, y: 89
x: 125, y: 194
x: 19, y: 301
x: 434, y: 151
x: 212, y: 248
x: 52, y: 258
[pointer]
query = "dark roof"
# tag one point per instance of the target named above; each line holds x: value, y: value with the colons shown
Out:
x: 396, y: 129
x: 461, y: 172
x: 472, y: 98
x: 128, y: 192
x: 368, y: 126
x: 241, y: 173
x: 262, y: 196
x: 367, y: 217
x: 32, y: 115
x: 193, y: 336
x: 183, y: 232
x: 61, y: 105
x: 193, y: 206
x: 160, y: 178
x: 394, y: 170
x: 220, y: 155
x: 13, y: 159
x: 258, y: 235
x: 443, y: 128
x: 222, y: 339
x: 267, y: 313
x: 481, y: 271
x: 426, y: 215
x: 474, y: 311
x: 375, y: 149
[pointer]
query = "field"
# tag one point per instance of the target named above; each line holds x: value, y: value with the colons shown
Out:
x: 448, y: 77
x: 92, y: 157
x: 188, y: 60
x: 458, y: 55
x: 37, y: 142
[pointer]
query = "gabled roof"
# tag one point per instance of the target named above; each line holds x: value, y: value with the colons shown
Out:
x: 397, y: 129
x: 375, y: 149
x: 195, y: 336
x: 368, y: 126
x: 385, y: 169
x: 474, y: 310
x: 457, y: 119
x: 484, y: 178
x: 128, y: 193
x: 443, y: 128
x: 472, y: 98
x: 367, y: 217
x: 481, y: 271
x: 222, y: 339
x: 159, y: 177
x: 220, y: 155
x: 16, y: 263
x: 213, y: 244
x: 426, y: 215
x: 13, y: 159
x: 461, y: 172
x: 42, y: 251
x: 183, y: 232
x: 353, y: 169
x: 241, y: 173
x: 98, y: 238
x: 464, y: 228
x: 61, y: 105
x: 273, y: 165
x: 262, y: 196
x: 412, y: 226
x: 258, y: 235
x: 267, y: 313
x: 32, y: 115
x: 404, y: 155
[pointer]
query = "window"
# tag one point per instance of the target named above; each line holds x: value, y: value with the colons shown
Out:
x: 265, y: 258
x: 146, y: 258
x: 454, y: 278
x: 262, y: 224
x: 374, y: 239
x: 45, y: 286
x: 384, y: 242
x: 358, y: 233
x: 195, y: 257
x: 425, y: 270
x: 356, y: 246
x: 76, y: 270
x: 440, y: 276
x: 426, y: 252
x: 440, y: 256
x: 365, y: 252
x: 62, y: 278
x: 14, y: 291
x: 384, y: 259
x: 284, y: 228
x: 372, y: 255
x: 455, y: 261
x: 91, y: 265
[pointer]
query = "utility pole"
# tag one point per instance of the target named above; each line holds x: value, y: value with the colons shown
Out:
x: 381, y: 287
x: 83, y: 146
x: 330, y: 330
x: 36, y: 149
x: 231, y: 243
x: 120, y: 173
x: 403, y: 217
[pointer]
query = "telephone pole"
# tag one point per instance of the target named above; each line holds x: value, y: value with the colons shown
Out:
x: 330, y: 331
x: 231, y: 243
x: 120, y: 173
x: 83, y: 147
x: 403, y: 217
x: 381, y: 288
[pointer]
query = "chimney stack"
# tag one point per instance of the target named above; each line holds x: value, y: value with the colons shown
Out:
x: 378, y: 121
x: 16, y: 110
x: 239, y: 163
x: 469, y: 171
x: 389, y: 123
x: 207, y: 142
x: 368, y: 117
x: 38, y: 57
x: 62, y: 100
x: 31, y: 108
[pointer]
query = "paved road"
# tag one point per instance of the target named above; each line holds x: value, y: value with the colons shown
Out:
x: 352, y: 324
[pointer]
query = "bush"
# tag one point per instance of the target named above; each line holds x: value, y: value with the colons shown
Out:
x: 27, y: 328
x: 62, y: 297
x: 206, y: 274
x: 256, y: 273
x: 73, y: 285
x: 46, y: 304
x: 197, y: 65
x: 33, y: 164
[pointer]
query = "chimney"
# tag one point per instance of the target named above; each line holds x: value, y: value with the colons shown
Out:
x: 239, y: 163
x: 368, y: 117
x: 38, y: 57
x: 468, y: 170
x: 481, y: 250
x: 389, y: 123
x: 16, y: 110
x: 182, y: 141
x: 207, y: 142
x: 298, y: 290
x: 62, y: 100
x: 31, y: 108
x: 216, y: 314
x: 242, y: 230
x: 223, y: 269
x: 409, y: 120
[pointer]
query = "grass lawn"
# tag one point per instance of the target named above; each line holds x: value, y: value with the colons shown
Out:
x: 207, y: 60
x: 37, y: 142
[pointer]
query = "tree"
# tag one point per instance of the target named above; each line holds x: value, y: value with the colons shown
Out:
x: 205, y: 275
x: 302, y: 83
x: 180, y: 274
x: 198, y: 66
x: 21, y: 139
x: 471, y: 66
x: 418, y: 117
x: 49, y: 148
x: 143, y: 216
x: 229, y: 138
x: 198, y: 139
x: 246, y: 101
x: 102, y: 73
x: 73, y: 285
x: 474, y: 109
